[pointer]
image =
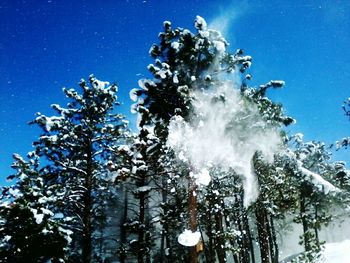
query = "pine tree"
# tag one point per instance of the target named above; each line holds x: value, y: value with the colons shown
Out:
x: 181, y: 61
x: 29, y: 229
x: 79, y: 147
x: 314, y: 173
x: 188, y: 64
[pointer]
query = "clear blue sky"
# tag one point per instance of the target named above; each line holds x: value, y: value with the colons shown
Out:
x: 45, y: 45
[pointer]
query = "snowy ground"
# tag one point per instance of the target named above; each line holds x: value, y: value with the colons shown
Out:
x: 337, y: 252
x: 333, y: 253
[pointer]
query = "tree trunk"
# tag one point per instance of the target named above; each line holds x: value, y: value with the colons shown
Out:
x: 86, y: 242
x: 165, y: 231
x: 315, y: 227
x: 141, y: 229
x: 228, y: 225
x: 87, y: 200
x: 269, y: 231
x: 263, y: 234
x: 123, y: 239
x: 219, y: 244
x: 274, y: 241
x: 193, y: 217
x: 304, y: 223
x: 210, y: 253
x: 246, y: 237
x: 148, y: 245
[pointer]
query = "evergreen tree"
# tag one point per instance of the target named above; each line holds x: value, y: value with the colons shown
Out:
x: 317, y: 194
x: 187, y: 64
x: 79, y: 147
x: 29, y: 229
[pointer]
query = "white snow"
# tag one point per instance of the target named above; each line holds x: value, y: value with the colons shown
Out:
x: 7, y: 238
x: 276, y: 82
x: 228, y: 134
x: 318, y: 180
x: 175, y: 45
x: 67, y: 233
x: 50, y: 121
x: 182, y: 156
x: 219, y: 46
x: 337, y: 252
x: 200, y: 23
x: 166, y: 23
x: 47, y: 211
x: 188, y: 238
x: 175, y: 79
x: 202, y: 178
x: 123, y: 148
x: 143, y: 189
x: 38, y: 217
x: 298, y: 137
x: 98, y: 84
x: 133, y: 95
x: 15, y: 192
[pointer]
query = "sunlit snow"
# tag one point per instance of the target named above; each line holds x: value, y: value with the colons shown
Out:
x: 227, y: 134
x: 337, y: 252
x: 188, y: 238
x: 202, y: 177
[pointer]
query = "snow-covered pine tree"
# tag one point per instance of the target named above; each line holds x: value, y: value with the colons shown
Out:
x: 139, y: 238
x: 29, y: 229
x: 267, y: 208
x: 187, y: 64
x: 314, y: 175
x: 183, y: 63
x: 78, y: 149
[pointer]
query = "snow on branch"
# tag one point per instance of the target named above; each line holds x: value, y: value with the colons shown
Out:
x: 317, y: 180
x: 188, y: 238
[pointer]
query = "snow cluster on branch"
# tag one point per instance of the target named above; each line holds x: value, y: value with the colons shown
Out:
x: 188, y: 238
x: 317, y: 180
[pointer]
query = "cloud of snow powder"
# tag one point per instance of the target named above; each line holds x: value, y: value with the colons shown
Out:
x: 227, y: 16
x: 225, y: 131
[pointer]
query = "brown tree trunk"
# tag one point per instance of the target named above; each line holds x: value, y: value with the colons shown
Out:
x: 193, y: 217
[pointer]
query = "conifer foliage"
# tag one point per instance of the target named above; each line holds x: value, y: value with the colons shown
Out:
x: 76, y: 148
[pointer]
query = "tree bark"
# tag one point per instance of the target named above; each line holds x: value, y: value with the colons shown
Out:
x: 315, y: 227
x: 123, y: 239
x: 193, y: 255
x: 87, y: 199
x: 219, y: 244
x: 274, y: 241
x: 210, y: 248
x: 247, y: 244
x: 263, y: 235
x: 141, y: 229
x: 304, y: 223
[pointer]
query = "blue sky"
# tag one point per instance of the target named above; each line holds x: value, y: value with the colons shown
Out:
x: 46, y: 45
